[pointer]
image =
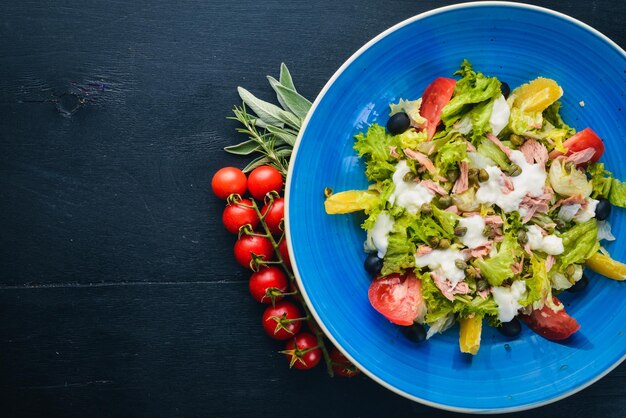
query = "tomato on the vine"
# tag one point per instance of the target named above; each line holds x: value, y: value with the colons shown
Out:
x: 282, y: 321
x: 341, y: 365
x: 267, y: 284
x: 263, y: 180
x: 274, y: 213
x: 229, y: 180
x: 284, y: 252
x: 250, y: 244
x: 303, y: 352
x: 235, y: 216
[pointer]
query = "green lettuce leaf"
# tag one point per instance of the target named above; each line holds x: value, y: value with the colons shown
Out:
x: 411, y: 139
x: 447, y: 220
x: 450, y: 154
x: 497, y: 269
x: 538, y: 285
x: 400, y: 253
x: 579, y: 242
x: 473, y: 97
x: 438, y: 306
x: 491, y: 150
x: 552, y: 115
x: 617, y: 196
x: 601, y: 180
x: 522, y: 122
x: 466, y: 306
x: 385, y: 189
x: 423, y: 228
x: 374, y: 145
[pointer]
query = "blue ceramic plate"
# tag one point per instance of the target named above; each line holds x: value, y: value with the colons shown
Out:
x: 516, y: 43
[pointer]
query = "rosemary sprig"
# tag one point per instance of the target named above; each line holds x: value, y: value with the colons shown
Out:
x: 271, y: 130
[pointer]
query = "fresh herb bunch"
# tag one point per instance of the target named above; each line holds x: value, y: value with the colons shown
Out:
x: 271, y: 130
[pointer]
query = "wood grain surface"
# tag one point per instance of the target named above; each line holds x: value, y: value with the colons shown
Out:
x: 119, y: 295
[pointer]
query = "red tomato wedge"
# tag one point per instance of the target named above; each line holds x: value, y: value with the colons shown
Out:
x: 398, y: 298
x: 555, y: 326
x: 435, y: 97
x: 581, y: 141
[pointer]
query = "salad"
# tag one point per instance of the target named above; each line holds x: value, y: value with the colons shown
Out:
x: 483, y: 205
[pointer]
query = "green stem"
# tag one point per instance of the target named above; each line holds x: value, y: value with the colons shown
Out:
x: 318, y: 334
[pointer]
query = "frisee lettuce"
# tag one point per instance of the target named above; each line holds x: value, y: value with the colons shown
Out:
x: 497, y: 269
x: 473, y: 98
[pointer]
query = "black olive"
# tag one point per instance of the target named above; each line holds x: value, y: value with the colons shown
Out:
x: 511, y: 328
x: 398, y: 123
x: 415, y: 333
x: 505, y: 89
x: 603, y: 209
x: 580, y: 285
x: 373, y: 264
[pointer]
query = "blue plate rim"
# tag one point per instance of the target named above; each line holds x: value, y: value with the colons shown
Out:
x: 288, y: 186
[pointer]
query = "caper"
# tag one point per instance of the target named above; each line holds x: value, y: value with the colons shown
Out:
x: 482, y: 285
x: 444, y: 243
x: 410, y: 176
x: 470, y: 273
x: 452, y: 175
x: 460, y: 264
x: 516, y: 140
x: 472, y: 175
x: 434, y: 242
x: 426, y: 209
x: 328, y: 192
x: 560, y: 224
x: 522, y: 237
x: 515, y: 170
x: 483, y: 176
x: 487, y: 231
x: 444, y: 202
x: 460, y: 231
x: 570, y: 270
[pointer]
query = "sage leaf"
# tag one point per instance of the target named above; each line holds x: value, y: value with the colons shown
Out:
x: 274, y: 83
x: 257, y: 162
x: 288, y: 137
x: 285, y: 77
x: 284, y: 152
x: 294, y: 101
x: 267, y: 112
x: 243, y: 148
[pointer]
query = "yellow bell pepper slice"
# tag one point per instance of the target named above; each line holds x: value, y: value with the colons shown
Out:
x: 350, y: 201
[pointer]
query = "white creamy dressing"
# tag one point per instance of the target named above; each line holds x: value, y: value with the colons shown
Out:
x: 474, y: 236
x: 378, y: 236
x: 507, y: 299
x: 499, y: 115
x: 549, y: 244
x: 444, y: 260
x: 530, y: 181
x: 587, y: 213
x: 408, y: 194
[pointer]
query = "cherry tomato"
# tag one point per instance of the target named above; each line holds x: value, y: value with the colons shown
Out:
x: 236, y: 216
x: 267, y: 282
x: 302, y: 351
x: 275, y: 215
x: 277, y: 320
x: 398, y: 298
x: 229, y: 180
x: 341, y: 365
x: 435, y: 97
x: 581, y: 141
x: 247, y: 245
x: 555, y: 326
x: 284, y: 252
x: 263, y: 180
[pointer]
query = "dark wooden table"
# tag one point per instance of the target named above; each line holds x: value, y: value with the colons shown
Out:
x: 119, y: 294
